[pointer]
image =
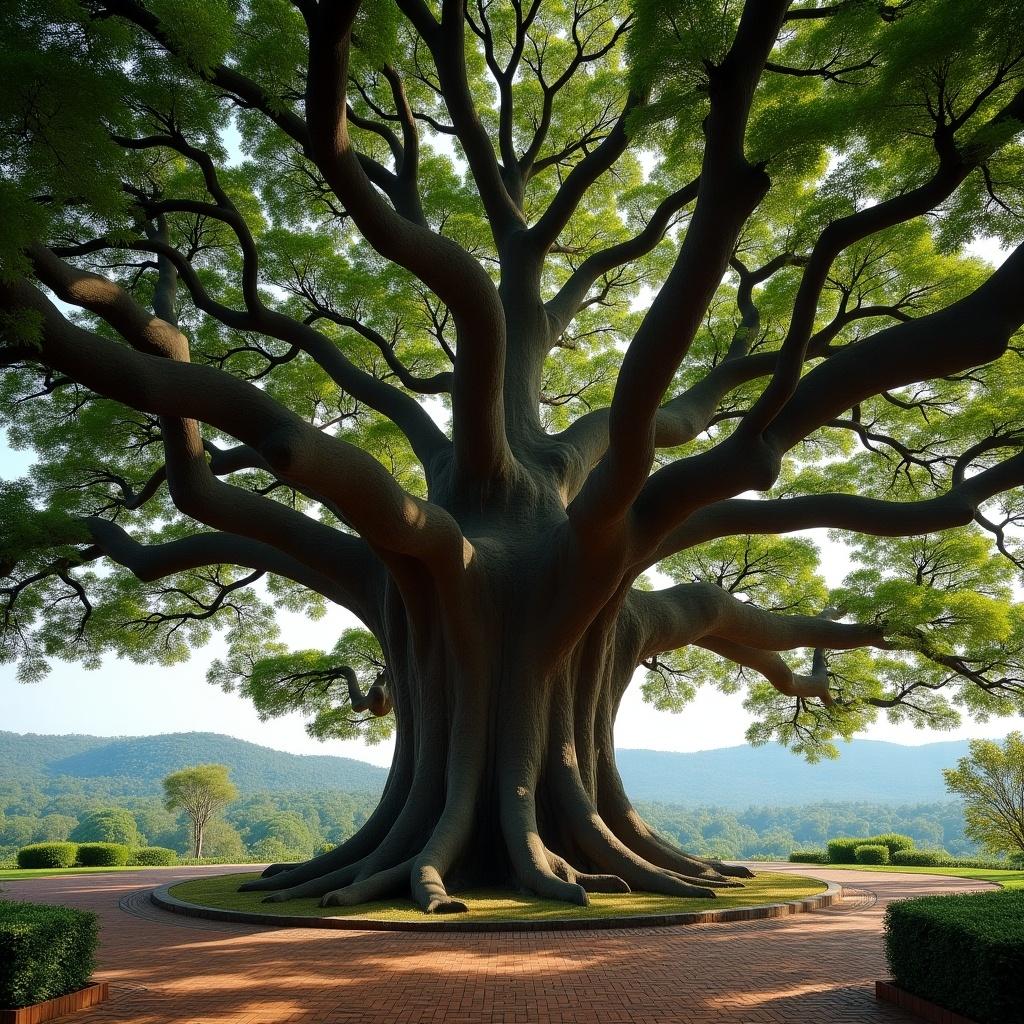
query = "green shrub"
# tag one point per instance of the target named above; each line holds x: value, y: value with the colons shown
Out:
x: 809, y: 856
x: 892, y: 841
x: 872, y: 853
x: 45, y: 952
x: 48, y: 855
x: 963, y: 951
x: 103, y: 855
x: 153, y: 857
x: 842, y: 850
x: 921, y: 858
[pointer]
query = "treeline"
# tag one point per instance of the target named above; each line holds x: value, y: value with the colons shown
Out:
x: 776, y: 831
x: 293, y: 824
x: 261, y: 826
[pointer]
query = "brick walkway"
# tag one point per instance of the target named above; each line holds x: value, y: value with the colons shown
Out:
x: 814, y: 968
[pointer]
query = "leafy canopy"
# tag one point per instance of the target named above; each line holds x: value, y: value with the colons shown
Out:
x: 851, y: 110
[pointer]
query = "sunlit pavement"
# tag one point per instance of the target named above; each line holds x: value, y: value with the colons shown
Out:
x: 815, y: 968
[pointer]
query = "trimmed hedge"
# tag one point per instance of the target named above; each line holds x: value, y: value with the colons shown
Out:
x: 892, y: 841
x: 964, y: 951
x: 809, y: 857
x: 921, y: 858
x: 844, y: 849
x: 103, y: 855
x: 45, y: 952
x: 872, y: 853
x: 941, y: 859
x: 48, y: 855
x: 152, y: 857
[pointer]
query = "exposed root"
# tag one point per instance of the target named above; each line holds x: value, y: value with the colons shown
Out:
x: 276, y: 869
x: 604, y: 849
x: 731, y: 870
x: 354, y: 849
x: 316, y: 886
x: 393, y: 881
x: 429, y: 892
x: 602, y: 883
x: 590, y: 883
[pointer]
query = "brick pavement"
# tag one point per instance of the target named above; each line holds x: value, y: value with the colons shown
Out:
x: 813, y: 968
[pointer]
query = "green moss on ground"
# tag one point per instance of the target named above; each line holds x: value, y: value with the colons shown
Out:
x: 221, y: 891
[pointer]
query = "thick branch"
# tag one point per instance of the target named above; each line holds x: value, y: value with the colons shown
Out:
x: 564, y: 306
x: 729, y: 190
x: 377, y: 506
x: 151, y: 562
x: 481, y: 447
x: 691, y: 612
x: 872, y: 516
x: 929, y: 347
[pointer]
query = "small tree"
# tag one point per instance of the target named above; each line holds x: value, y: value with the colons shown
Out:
x: 991, y: 781
x: 200, y: 792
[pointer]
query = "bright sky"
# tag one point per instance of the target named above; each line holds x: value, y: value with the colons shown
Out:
x: 124, y: 699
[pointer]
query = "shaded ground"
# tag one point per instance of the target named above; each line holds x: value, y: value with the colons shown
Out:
x: 812, y: 968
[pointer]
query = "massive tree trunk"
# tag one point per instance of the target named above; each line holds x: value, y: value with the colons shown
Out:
x: 504, y: 770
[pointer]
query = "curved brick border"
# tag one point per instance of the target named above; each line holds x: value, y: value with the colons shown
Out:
x: 833, y: 893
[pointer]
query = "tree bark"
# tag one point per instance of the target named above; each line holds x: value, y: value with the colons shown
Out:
x: 504, y: 770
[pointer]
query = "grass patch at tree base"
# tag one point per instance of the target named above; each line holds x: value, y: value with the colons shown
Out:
x: 221, y: 892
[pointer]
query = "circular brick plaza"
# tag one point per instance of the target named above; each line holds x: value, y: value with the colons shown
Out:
x: 816, y: 968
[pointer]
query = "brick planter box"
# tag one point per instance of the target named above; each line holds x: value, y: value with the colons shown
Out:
x: 39, y: 1012
x: 923, y: 1008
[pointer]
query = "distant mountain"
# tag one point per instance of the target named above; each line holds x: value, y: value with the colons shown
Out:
x: 733, y: 777
x: 867, y: 770
x: 145, y: 760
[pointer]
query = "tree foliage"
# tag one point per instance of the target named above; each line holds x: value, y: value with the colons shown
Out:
x: 991, y: 783
x: 201, y: 792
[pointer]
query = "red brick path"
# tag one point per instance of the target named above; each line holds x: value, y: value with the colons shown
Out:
x: 814, y: 968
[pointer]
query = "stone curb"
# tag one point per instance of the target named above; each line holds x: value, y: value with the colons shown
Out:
x: 162, y: 898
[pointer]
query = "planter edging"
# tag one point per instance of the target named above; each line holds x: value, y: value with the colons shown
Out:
x: 162, y: 898
x: 93, y: 994
x: 918, y: 1006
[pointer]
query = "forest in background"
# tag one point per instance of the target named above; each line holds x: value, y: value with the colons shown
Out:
x: 291, y: 805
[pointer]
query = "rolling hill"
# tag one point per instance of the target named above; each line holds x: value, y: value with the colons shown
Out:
x: 736, y: 777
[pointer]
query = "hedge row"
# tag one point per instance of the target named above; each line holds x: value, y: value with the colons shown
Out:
x: 872, y: 853
x: 92, y: 855
x: 48, y: 855
x: 809, y: 856
x: 963, y: 951
x: 45, y: 952
x: 844, y: 849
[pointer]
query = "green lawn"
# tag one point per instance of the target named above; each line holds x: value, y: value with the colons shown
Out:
x: 1006, y: 878
x: 17, y: 874
x: 498, y: 905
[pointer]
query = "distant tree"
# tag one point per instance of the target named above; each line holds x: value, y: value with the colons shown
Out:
x: 200, y: 792
x: 54, y: 827
x: 110, y: 825
x: 16, y: 830
x: 991, y: 781
x: 289, y: 834
x: 222, y: 841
